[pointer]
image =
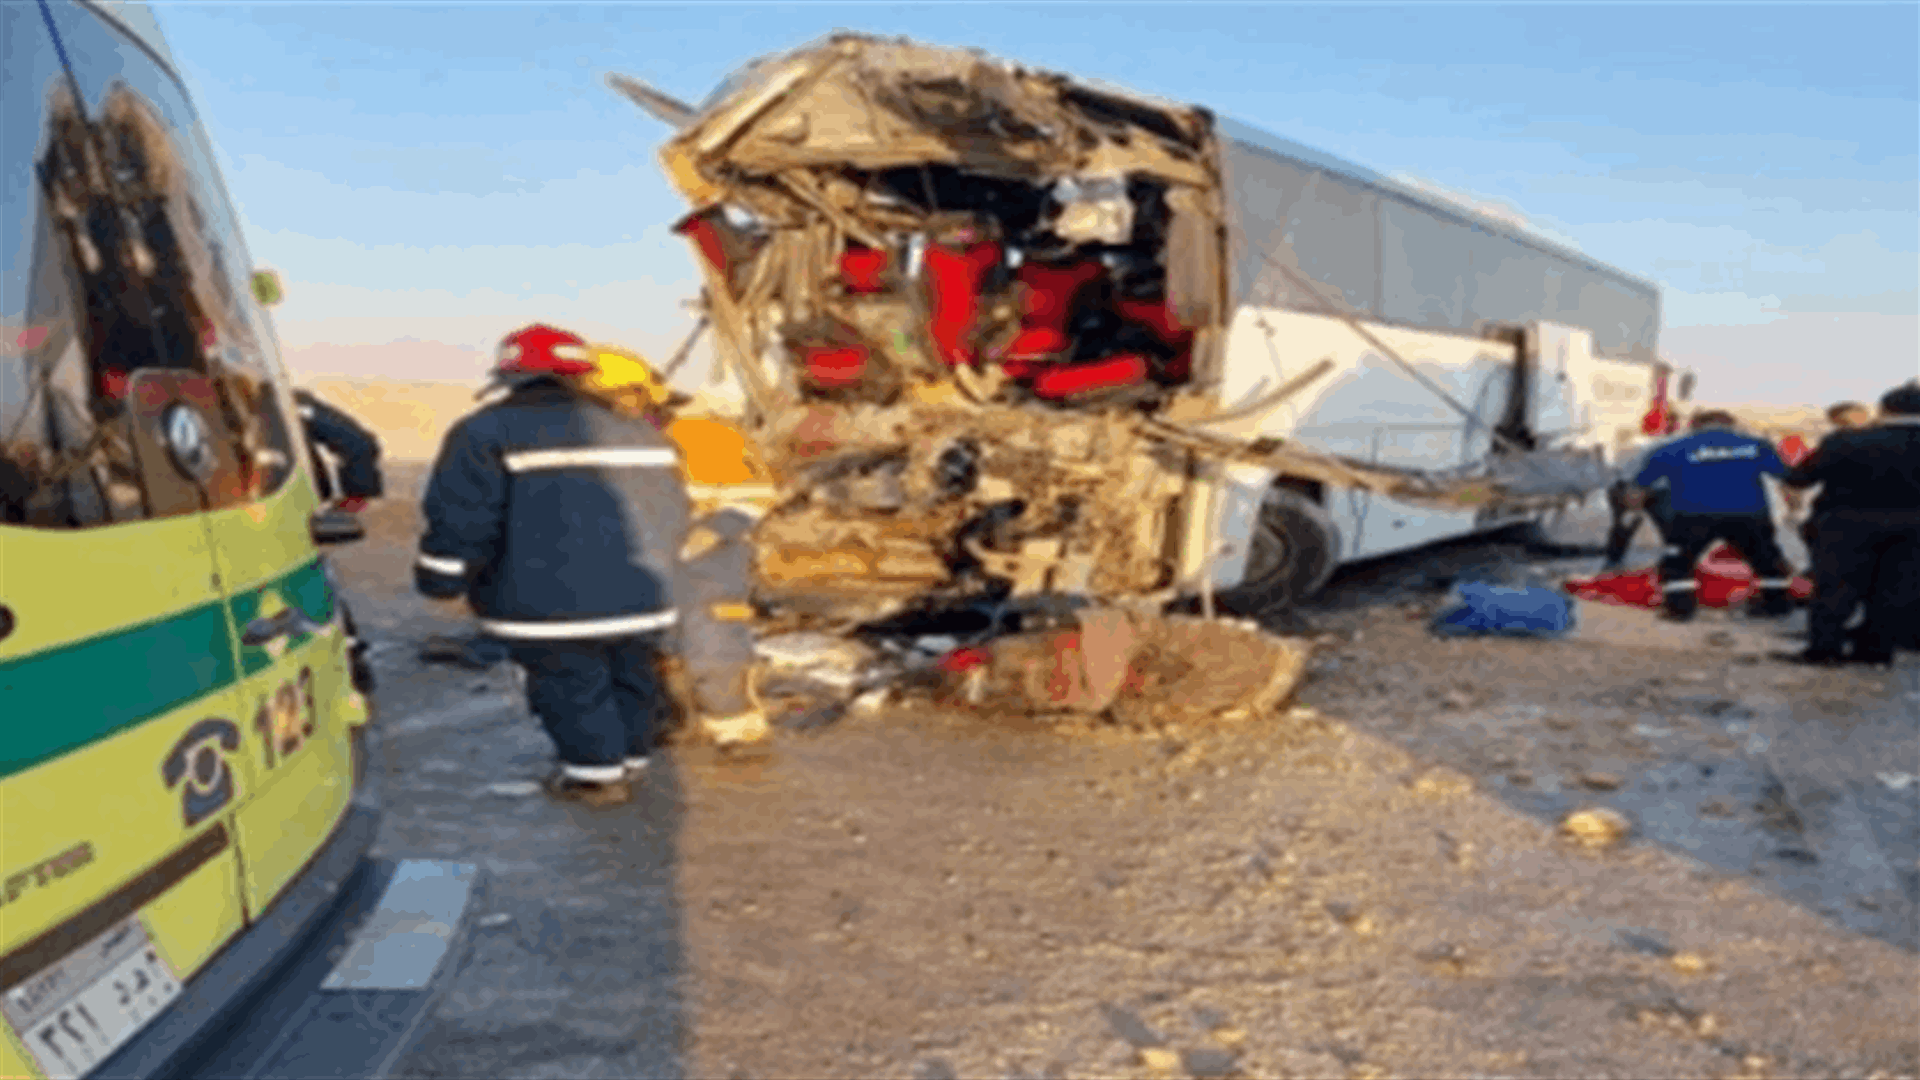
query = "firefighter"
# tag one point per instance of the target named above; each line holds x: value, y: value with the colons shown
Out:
x: 358, y: 452
x: 730, y: 488
x: 1866, y: 536
x: 557, y: 520
x: 1714, y: 476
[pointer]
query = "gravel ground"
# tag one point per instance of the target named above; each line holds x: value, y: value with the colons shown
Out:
x: 1369, y: 885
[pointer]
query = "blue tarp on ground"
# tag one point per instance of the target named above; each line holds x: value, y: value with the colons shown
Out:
x: 1533, y: 611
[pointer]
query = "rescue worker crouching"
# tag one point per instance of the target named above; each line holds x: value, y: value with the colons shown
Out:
x: 1716, y: 493
x: 730, y: 488
x: 558, y: 520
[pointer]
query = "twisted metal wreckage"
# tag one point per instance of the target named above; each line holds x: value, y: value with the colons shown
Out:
x: 877, y: 222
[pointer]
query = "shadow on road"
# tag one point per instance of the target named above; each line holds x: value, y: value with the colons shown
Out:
x: 1809, y: 793
x: 580, y: 965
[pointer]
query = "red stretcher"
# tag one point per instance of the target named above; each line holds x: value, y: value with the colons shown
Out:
x: 1724, y: 579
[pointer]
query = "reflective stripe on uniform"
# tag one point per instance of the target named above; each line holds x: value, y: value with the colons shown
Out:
x: 440, y: 564
x: 594, y: 774
x: 1774, y: 583
x: 573, y: 629
x: 1679, y: 586
x: 613, y: 457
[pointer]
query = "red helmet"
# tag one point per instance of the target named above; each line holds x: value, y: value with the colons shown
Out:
x: 543, y: 350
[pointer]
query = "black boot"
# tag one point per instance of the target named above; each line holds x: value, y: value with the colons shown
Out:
x: 1678, y: 605
x: 1771, y: 604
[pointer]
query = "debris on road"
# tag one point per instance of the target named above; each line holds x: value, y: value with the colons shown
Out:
x: 1159, y: 1060
x: 838, y: 662
x: 1143, y: 668
x: 1688, y: 963
x: 1442, y: 783
x: 1601, y: 781
x: 1596, y: 828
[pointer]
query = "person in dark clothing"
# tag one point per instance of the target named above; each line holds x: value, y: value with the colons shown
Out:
x: 1845, y: 416
x: 1717, y: 493
x: 354, y: 447
x: 1867, y: 536
x: 558, y: 522
x: 358, y: 452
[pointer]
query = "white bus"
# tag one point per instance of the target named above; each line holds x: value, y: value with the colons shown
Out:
x: 1200, y: 267
x: 1463, y: 297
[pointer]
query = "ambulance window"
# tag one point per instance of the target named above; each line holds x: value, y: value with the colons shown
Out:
x: 180, y: 205
x: 133, y: 263
x: 60, y: 464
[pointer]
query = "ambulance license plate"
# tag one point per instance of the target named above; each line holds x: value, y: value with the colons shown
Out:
x: 75, y: 1014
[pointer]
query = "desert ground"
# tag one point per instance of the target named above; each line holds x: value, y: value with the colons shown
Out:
x: 1369, y: 882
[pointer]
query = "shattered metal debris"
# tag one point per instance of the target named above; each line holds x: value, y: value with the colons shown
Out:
x: 1143, y: 668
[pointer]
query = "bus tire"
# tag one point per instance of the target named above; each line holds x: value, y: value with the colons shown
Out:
x: 1294, y: 549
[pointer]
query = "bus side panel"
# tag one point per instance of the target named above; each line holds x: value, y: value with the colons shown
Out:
x: 1370, y: 409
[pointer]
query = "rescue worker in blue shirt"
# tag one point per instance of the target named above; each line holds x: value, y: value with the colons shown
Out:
x: 558, y: 521
x: 1715, y: 492
x: 1629, y: 507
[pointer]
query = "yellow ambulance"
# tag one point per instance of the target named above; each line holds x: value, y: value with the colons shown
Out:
x: 186, y: 806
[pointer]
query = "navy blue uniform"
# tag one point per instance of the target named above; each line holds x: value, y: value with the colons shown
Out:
x: 1866, y: 539
x: 1715, y: 492
x: 559, y: 521
x: 1626, y: 519
x: 356, y: 448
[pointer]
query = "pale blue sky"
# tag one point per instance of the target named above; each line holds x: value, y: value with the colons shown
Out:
x: 442, y: 172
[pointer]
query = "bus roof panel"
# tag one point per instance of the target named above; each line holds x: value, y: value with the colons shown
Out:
x: 1266, y: 142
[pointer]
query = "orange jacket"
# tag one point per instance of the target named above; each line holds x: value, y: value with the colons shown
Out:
x: 722, y: 467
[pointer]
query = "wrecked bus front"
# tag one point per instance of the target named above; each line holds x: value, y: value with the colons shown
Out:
x: 951, y: 290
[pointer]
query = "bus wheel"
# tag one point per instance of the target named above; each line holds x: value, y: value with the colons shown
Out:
x: 1295, y: 547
